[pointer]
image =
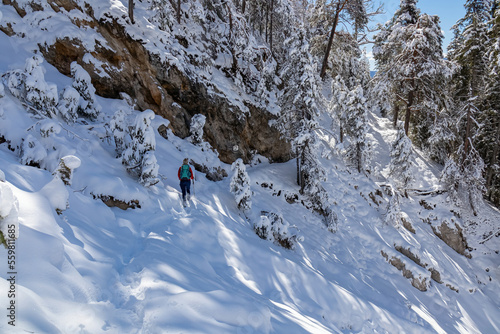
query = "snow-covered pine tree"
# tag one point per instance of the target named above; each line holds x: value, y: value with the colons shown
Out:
x: 143, y: 141
x: 89, y: 107
x: 401, y: 159
x: 410, y: 59
x: 356, y: 128
x: 464, y: 176
x: 443, y: 139
x: 149, y: 169
x: 32, y: 152
x: 68, y: 104
x: 393, y: 210
x: 489, y: 133
x: 240, y: 186
x: 423, y: 73
x: 469, y: 49
x: 196, y: 128
x: 119, y: 128
x: 338, y: 105
x: 15, y: 83
x: 39, y: 94
x: 163, y: 14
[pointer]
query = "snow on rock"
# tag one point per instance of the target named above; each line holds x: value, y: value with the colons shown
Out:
x: 71, y: 161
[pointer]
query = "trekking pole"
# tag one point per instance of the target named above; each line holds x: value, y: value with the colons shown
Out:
x: 194, y: 191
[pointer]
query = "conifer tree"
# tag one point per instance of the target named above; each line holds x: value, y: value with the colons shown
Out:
x: 196, y: 128
x: 489, y: 133
x: 401, y: 159
x: 356, y: 128
x: 139, y: 155
x: 468, y: 49
x: 68, y: 104
x: 89, y: 107
x: 409, y: 56
x: 119, y: 126
x: 41, y: 95
x: 240, y: 186
x: 32, y: 152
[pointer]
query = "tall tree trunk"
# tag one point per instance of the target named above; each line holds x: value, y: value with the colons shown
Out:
x: 330, y: 42
x: 271, y: 27
x: 467, y: 133
x: 267, y: 21
x: 396, y: 115
x: 298, y: 166
x: 340, y: 7
x: 179, y: 11
x: 131, y: 10
x: 411, y: 96
x: 494, y: 160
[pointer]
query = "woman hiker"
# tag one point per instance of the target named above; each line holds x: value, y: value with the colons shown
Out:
x: 185, y: 175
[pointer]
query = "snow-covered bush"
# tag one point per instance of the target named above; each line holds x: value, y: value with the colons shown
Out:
x: 9, y: 209
x: 48, y: 127
x: 196, y: 128
x: 118, y: 126
x: 15, y: 83
x: 240, y: 185
x: 139, y: 157
x: 32, y: 152
x: 149, y: 166
x: 68, y: 104
x: 40, y: 94
x: 402, y: 159
x: 2, y: 90
x: 65, y: 169
x: 272, y: 227
x: 393, y: 210
x: 88, y: 107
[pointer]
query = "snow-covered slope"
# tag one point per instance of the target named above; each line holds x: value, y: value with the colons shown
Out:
x: 82, y: 267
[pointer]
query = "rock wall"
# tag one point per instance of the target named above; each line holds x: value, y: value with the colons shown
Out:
x: 158, y: 86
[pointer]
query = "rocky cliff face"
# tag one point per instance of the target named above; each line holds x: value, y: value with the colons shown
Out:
x: 128, y: 67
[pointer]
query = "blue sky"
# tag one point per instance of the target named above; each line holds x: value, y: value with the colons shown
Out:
x: 449, y: 11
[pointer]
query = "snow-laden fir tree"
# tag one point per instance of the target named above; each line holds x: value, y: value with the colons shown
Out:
x: 33, y: 152
x: 149, y: 169
x: 463, y: 177
x: 464, y: 181
x: 119, y: 129
x: 299, y: 101
x: 393, y: 210
x: 139, y: 157
x: 356, y: 128
x: 338, y: 105
x: 400, y: 167
x: 196, y: 128
x: 240, y: 186
x: 469, y: 49
x: 443, y: 138
x: 15, y: 83
x: 409, y: 58
x: 489, y: 133
x: 39, y: 94
x: 88, y: 107
x: 68, y: 104
x: 163, y: 14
